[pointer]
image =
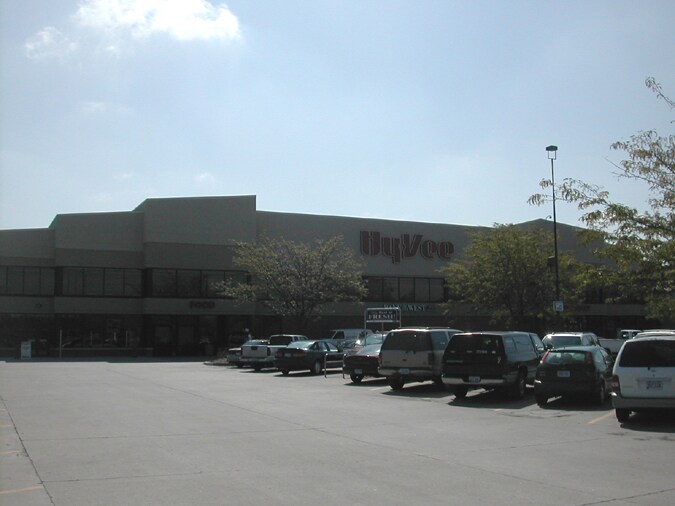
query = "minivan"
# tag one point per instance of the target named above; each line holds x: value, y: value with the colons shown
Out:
x: 644, y: 374
x: 491, y: 360
x: 414, y: 354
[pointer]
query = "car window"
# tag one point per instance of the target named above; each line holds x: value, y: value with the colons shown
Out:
x: 439, y: 340
x: 407, y: 341
x: 523, y: 342
x: 331, y: 347
x: 564, y: 357
x: 509, y: 345
x: 557, y: 341
x: 277, y: 340
x: 648, y: 353
x: 478, y: 344
x: 303, y: 345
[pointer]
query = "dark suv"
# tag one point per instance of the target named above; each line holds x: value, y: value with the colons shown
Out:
x: 491, y: 360
x: 413, y: 354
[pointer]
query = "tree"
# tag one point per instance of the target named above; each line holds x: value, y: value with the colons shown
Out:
x: 297, y: 280
x: 506, y: 270
x: 640, y: 243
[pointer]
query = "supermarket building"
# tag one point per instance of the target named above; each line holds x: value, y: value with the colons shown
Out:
x: 142, y: 282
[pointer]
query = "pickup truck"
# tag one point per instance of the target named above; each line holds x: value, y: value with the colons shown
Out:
x: 261, y: 356
x: 614, y: 345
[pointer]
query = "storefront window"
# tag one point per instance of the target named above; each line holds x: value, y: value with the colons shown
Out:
x: 188, y: 283
x: 72, y: 281
x: 211, y: 281
x: 407, y: 289
x: 47, y: 281
x: 114, y: 282
x: 93, y: 281
x: 436, y: 290
x: 421, y: 290
x: 390, y: 289
x: 133, y: 284
x: 164, y: 283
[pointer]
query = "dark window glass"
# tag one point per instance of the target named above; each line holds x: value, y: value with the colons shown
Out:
x: 436, y: 290
x: 93, y: 281
x: 390, y: 289
x: 31, y: 281
x: 3, y: 280
x: 374, y: 286
x: 164, y: 283
x: 523, y: 342
x: 648, y: 353
x: 188, y: 283
x: 72, y: 280
x: 211, y: 283
x: 14, y: 280
x: 421, y: 290
x: 47, y: 281
x: 114, y: 282
x: 407, y: 289
x: 408, y: 341
x: 133, y: 284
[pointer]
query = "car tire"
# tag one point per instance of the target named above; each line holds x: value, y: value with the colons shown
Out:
x: 601, y: 394
x: 517, y: 390
x: 356, y: 378
x: 284, y: 372
x: 622, y: 414
x: 542, y: 400
x: 460, y: 391
x: 396, y: 383
x: 257, y: 367
x: 317, y: 367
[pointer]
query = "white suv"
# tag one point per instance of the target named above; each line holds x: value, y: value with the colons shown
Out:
x: 644, y: 374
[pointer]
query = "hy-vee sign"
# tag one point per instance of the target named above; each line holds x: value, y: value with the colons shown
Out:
x: 404, y: 246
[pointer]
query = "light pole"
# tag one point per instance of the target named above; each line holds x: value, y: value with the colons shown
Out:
x: 557, y: 305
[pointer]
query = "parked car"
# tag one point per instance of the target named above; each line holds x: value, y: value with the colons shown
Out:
x: 362, y: 363
x: 504, y: 361
x: 644, y: 374
x: 261, y: 355
x: 310, y: 355
x: 575, y: 370
x: 355, y: 346
x: 563, y: 339
x: 413, y: 354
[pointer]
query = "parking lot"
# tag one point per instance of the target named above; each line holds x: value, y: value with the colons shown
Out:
x: 184, y: 433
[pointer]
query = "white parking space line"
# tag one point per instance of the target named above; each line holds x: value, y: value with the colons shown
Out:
x: 19, y: 490
x: 600, y: 418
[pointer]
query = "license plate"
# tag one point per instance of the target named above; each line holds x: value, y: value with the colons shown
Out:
x: 563, y: 374
x: 654, y: 385
x: 474, y: 379
x: 288, y: 355
x: 404, y: 370
x: 358, y: 371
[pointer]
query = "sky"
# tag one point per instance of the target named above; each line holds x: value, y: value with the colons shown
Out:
x: 428, y: 110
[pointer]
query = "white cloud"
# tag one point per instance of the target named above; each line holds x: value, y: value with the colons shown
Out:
x: 181, y: 19
x: 49, y: 43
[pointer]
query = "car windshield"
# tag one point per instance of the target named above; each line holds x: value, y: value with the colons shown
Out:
x: 565, y: 357
x: 255, y: 342
x: 373, y: 339
x: 408, y: 340
x: 648, y: 353
x: 559, y: 341
x: 279, y: 339
x: 478, y: 344
x: 370, y: 349
x: 303, y: 345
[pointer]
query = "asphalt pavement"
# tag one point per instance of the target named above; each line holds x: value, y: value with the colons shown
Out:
x: 153, y: 432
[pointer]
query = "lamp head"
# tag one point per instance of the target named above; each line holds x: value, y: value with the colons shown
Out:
x: 552, y: 151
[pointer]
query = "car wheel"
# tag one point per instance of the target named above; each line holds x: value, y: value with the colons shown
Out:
x: 622, y: 414
x: 460, y: 391
x: 517, y: 391
x: 396, y: 383
x: 284, y: 372
x: 257, y: 367
x: 542, y: 400
x: 356, y: 378
x: 239, y: 366
x: 317, y: 367
x: 601, y: 395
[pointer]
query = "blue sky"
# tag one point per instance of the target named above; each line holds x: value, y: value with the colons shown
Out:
x: 433, y: 111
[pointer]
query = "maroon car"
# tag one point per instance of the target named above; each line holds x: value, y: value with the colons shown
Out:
x: 362, y: 363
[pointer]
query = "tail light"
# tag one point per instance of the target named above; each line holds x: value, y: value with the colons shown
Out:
x: 543, y: 359
x: 589, y: 357
x: 616, y: 384
x: 379, y: 359
x: 278, y: 354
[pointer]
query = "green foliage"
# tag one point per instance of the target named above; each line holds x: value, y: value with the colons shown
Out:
x: 640, y: 243
x: 296, y: 280
x: 506, y: 270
